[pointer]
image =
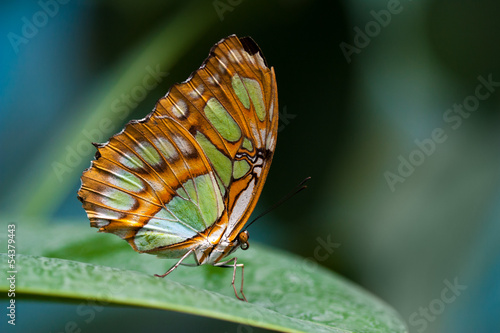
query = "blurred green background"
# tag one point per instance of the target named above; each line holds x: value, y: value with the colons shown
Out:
x: 362, y: 86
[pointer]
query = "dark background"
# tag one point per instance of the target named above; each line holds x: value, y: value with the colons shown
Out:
x: 347, y: 120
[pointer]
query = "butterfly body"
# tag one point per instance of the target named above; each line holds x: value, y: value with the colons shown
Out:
x: 185, y: 179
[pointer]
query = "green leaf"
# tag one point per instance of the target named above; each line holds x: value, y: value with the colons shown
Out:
x: 285, y: 292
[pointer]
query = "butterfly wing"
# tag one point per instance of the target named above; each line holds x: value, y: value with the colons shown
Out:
x: 230, y: 105
x: 153, y: 186
x: 194, y: 168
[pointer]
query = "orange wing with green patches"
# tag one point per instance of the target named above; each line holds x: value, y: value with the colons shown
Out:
x: 196, y: 165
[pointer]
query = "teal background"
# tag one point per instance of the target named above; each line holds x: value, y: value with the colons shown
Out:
x: 345, y: 121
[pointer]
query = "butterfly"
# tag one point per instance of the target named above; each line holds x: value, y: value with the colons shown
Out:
x: 184, y: 180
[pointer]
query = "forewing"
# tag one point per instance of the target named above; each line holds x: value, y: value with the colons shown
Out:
x: 230, y: 105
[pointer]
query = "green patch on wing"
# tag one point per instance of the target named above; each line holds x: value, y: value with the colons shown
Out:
x: 209, y: 198
x: 149, y: 153
x: 247, y: 144
x: 222, y: 120
x: 117, y: 199
x: 255, y: 92
x: 240, y: 91
x: 221, y: 163
x: 127, y: 181
x: 162, y: 230
x: 240, y: 169
x: 183, y: 219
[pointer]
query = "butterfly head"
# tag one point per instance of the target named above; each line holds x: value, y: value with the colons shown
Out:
x: 228, y: 247
x: 243, y: 240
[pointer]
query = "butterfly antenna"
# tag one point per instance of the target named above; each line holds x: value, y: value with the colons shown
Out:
x: 292, y: 193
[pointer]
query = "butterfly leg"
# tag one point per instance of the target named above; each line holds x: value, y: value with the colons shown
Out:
x: 235, y: 265
x: 176, y: 265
